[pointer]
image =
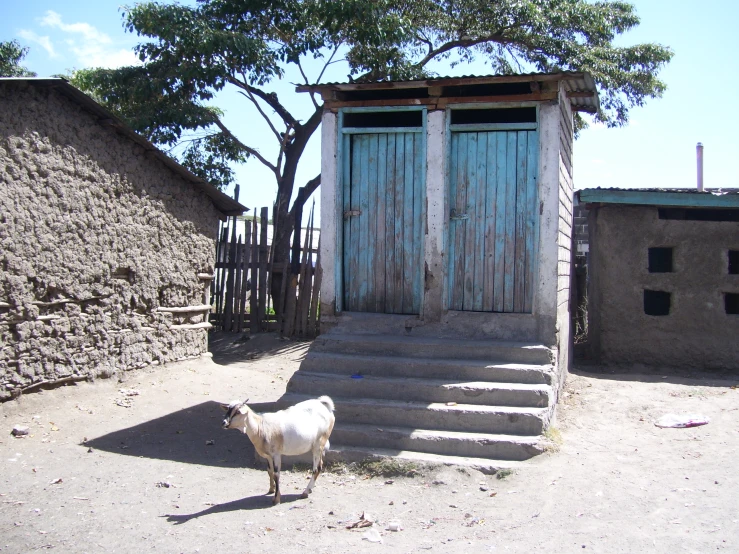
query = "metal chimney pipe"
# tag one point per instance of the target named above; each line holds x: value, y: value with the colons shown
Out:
x: 699, y: 159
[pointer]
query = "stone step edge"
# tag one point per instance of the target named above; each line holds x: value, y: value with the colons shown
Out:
x: 432, y: 381
x: 431, y: 433
x: 385, y: 403
x: 349, y: 454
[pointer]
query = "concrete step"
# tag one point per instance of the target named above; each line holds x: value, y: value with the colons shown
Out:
x: 428, y: 347
x: 348, y: 454
x: 417, y: 389
x: 435, y: 368
x: 446, y: 443
x: 424, y: 415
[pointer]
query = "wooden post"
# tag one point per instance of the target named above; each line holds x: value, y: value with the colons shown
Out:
x: 244, y: 285
x: 289, y: 324
x: 313, y: 319
x: 263, y: 256
x: 254, y: 312
x: 221, y: 274
x: 237, y: 285
x: 228, y: 312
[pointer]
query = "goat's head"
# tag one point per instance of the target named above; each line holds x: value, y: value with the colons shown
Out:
x: 233, y: 410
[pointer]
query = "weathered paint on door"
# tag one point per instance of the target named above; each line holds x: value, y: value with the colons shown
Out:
x: 494, y: 221
x: 382, y: 205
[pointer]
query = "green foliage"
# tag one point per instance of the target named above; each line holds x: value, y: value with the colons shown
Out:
x: 189, y: 54
x: 11, y: 55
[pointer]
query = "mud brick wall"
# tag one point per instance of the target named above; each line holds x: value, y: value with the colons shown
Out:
x: 97, y: 239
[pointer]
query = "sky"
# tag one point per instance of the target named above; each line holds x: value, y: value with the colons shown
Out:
x: 656, y: 149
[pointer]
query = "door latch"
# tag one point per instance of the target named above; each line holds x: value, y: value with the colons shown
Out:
x: 352, y: 213
x: 454, y: 216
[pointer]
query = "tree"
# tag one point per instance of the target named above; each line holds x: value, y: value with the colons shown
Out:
x: 11, y: 55
x: 192, y: 53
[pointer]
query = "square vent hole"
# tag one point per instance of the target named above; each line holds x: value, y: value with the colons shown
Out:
x: 656, y: 302
x: 733, y: 262
x: 660, y: 260
x: 731, y: 303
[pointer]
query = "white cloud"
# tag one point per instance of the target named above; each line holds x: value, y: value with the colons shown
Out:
x: 44, y: 41
x: 92, y: 47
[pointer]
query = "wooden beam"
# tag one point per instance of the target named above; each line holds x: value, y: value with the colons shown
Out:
x: 580, y: 94
x: 687, y: 199
x: 436, y: 103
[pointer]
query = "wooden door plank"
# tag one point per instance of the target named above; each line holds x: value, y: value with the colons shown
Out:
x: 459, y: 224
x: 408, y: 242
x: 419, y: 160
x: 532, y: 219
x: 451, y: 242
x: 369, y: 221
x: 510, y: 223
x: 354, y: 277
x: 397, y: 276
x: 500, y: 222
x: 390, y: 206
x: 378, y: 263
x: 478, y: 225
x: 469, y: 224
x: 346, y: 221
x: 490, y: 213
x: 519, y: 277
x: 363, y: 217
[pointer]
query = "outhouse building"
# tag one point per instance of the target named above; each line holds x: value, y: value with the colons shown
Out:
x: 446, y: 216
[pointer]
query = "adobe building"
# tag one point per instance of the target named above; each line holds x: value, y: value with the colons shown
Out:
x: 663, y: 285
x: 108, y: 245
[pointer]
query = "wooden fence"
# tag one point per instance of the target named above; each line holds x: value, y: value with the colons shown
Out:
x: 241, y: 293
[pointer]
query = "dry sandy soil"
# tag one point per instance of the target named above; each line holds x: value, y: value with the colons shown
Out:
x: 106, y: 472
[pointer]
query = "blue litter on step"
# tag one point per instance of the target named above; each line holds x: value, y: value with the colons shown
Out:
x: 357, y: 376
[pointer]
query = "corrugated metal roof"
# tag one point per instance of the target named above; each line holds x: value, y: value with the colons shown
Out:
x: 687, y: 198
x: 577, y: 82
x: 224, y: 203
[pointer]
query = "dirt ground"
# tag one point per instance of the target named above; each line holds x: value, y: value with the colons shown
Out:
x: 103, y: 471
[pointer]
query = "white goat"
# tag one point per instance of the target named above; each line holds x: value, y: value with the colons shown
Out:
x: 298, y: 429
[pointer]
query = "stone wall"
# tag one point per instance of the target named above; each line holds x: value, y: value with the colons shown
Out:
x: 697, y: 333
x: 96, y: 237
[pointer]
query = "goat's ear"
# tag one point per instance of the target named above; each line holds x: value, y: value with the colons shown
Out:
x: 224, y: 407
x: 227, y: 407
x: 242, y: 407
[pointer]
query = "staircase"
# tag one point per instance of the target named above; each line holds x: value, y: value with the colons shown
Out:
x: 478, y: 403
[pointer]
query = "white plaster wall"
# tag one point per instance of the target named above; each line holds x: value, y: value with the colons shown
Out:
x: 436, y: 216
x: 545, y: 301
x: 330, y: 202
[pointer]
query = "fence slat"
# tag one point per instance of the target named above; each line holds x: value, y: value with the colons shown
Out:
x: 245, y: 266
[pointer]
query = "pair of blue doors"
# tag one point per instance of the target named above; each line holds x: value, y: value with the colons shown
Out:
x: 493, y: 220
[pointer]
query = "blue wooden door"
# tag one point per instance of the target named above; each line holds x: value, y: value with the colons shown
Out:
x: 493, y: 230
x: 382, y: 241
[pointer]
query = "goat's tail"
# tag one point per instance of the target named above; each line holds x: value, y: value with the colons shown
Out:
x: 326, y: 401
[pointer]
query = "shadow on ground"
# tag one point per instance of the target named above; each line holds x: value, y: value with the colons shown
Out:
x: 191, y: 436
x: 646, y: 374
x: 249, y: 503
x: 230, y: 348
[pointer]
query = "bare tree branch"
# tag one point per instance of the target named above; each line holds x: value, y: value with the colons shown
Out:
x: 309, y: 188
x: 461, y: 43
x: 246, y: 148
x: 270, y: 98
x: 253, y: 100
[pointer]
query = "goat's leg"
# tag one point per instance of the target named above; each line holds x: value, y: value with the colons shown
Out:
x: 271, y: 472
x: 317, y: 467
x: 278, y: 463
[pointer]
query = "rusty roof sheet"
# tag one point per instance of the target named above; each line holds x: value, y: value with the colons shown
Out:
x: 573, y: 81
x: 224, y: 203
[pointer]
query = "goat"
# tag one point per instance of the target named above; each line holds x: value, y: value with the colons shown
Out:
x: 298, y: 429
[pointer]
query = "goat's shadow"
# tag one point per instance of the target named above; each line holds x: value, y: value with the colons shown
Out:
x: 192, y: 435
x: 249, y: 503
